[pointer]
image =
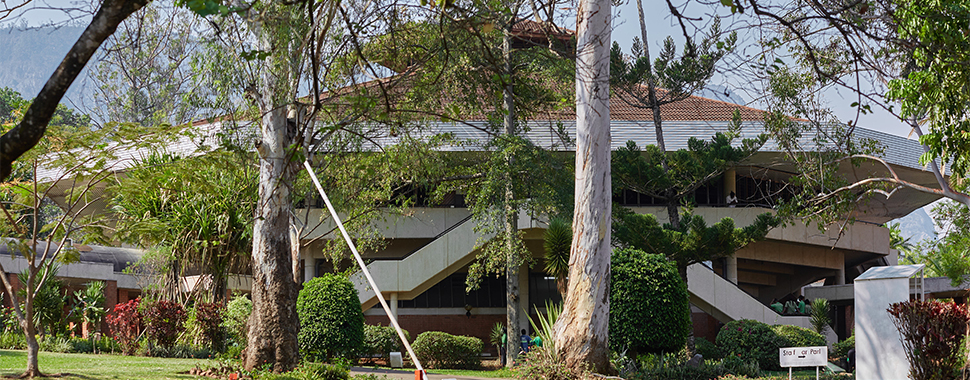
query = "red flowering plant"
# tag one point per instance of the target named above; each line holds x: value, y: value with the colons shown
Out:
x: 164, y: 321
x: 932, y: 333
x: 208, y: 316
x: 125, y: 322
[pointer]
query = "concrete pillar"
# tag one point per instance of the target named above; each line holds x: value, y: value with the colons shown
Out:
x: 524, y: 298
x: 309, y: 268
x: 840, y: 276
x: 731, y: 269
x: 393, y: 304
x: 730, y: 183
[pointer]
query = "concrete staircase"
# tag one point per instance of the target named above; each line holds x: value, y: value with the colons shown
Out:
x: 727, y: 302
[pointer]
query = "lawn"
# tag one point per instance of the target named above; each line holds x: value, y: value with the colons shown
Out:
x: 91, y: 367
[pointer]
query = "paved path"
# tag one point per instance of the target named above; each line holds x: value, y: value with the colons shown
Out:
x: 406, y: 374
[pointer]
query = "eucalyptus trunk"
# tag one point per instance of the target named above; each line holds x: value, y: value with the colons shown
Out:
x: 273, y: 324
x: 582, y: 331
x: 512, y: 306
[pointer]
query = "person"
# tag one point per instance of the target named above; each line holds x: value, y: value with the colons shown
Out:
x: 732, y: 199
x: 503, y: 348
x: 800, y: 304
x: 776, y: 306
x: 536, y: 342
x: 524, y: 341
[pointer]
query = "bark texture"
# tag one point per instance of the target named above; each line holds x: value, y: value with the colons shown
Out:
x: 274, y: 323
x: 28, y: 133
x: 511, y: 216
x: 583, y: 328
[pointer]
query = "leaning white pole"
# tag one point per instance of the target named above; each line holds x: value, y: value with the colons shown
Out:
x: 363, y: 268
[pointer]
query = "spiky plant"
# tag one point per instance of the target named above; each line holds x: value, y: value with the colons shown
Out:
x: 820, y: 315
x: 558, y: 238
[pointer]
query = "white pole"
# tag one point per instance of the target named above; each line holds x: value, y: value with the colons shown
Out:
x: 363, y: 268
x: 789, y: 373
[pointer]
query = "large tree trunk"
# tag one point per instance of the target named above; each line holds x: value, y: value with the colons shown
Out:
x: 512, y: 306
x: 273, y: 325
x: 25, y: 135
x: 33, y: 369
x: 583, y: 328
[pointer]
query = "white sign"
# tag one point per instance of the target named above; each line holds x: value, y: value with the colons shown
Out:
x: 803, y: 356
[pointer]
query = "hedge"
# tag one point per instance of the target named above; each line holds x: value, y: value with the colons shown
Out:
x: 751, y: 340
x: 649, y: 304
x: 331, y: 322
x: 437, y: 349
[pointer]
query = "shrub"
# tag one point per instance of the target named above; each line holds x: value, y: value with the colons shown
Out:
x: 795, y: 336
x: 208, y: 318
x: 125, y: 322
x: 235, y: 318
x: 164, y: 321
x: 841, y: 349
x: 308, y: 371
x: 820, y: 315
x: 707, y: 349
x: 751, y: 340
x: 331, y: 322
x: 182, y: 351
x: 380, y: 341
x: 13, y: 341
x: 649, y: 304
x: 932, y: 333
x: 436, y: 349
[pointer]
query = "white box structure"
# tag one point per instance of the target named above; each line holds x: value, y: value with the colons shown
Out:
x: 878, y: 349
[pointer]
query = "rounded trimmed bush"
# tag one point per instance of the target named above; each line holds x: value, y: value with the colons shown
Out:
x: 331, y: 322
x: 437, y: 349
x: 795, y: 336
x: 841, y: 349
x: 751, y: 340
x: 649, y: 304
x: 380, y: 341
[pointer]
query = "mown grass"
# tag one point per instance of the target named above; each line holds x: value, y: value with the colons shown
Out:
x: 97, y: 367
x: 503, y: 373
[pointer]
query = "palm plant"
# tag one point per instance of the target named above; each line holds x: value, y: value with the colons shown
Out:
x: 820, y: 315
x: 557, y: 242
x: 90, y: 305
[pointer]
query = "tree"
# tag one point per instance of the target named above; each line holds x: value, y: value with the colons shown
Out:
x: 948, y: 255
x: 90, y: 306
x: 28, y: 133
x: 582, y: 329
x: 43, y: 243
x: 199, y: 208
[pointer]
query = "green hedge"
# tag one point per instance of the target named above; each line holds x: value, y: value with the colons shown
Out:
x: 795, y: 336
x: 331, y: 322
x: 649, y: 304
x: 380, y: 341
x: 436, y: 349
x: 751, y: 340
x: 841, y: 349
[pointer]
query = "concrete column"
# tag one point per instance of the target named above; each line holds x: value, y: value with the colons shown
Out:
x: 309, y: 268
x: 731, y: 269
x: 730, y: 183
x: 524, y: 298
x: 393, y: 304
x: 840, y: 276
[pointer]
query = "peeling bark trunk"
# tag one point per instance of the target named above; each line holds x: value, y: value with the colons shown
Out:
x: 273, y: 325
x: 582, y: 330
x: 512, y: 306
x: 28, y: 133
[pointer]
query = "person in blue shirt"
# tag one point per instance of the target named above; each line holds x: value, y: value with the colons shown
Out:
x: 524, y: 341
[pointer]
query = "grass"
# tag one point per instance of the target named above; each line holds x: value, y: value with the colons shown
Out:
x: 502, y: 373
x: 97, y: 367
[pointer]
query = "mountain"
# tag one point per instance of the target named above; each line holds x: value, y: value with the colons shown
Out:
x: 29, y: 56
x: 917, y: 226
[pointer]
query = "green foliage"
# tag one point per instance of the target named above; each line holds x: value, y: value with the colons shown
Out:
x: 751, y: 340
x: 649, y: 304
x: 932, y: 333
x: 841, y: 349
x: 331, y: 322
x: 557, y: 242
x: 200, y: 208
x: 679, y: 75
x: 308, y: 371
x: 235, y: 319
x: 90, y: 303
x: 948, y: 256
x: 380, y: 341
x: 49, y: 299
x: 795, y: 336
x: 674, y: 366
x: 933, y: 84
x: 543, y: 362
x: 495, y: 335
x: 692, y: 242
x: 437, y: 349
x: 820, y: 315
x: 707, y: 349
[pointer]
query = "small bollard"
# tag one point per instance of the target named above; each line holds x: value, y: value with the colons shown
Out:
x: 397, y: 361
